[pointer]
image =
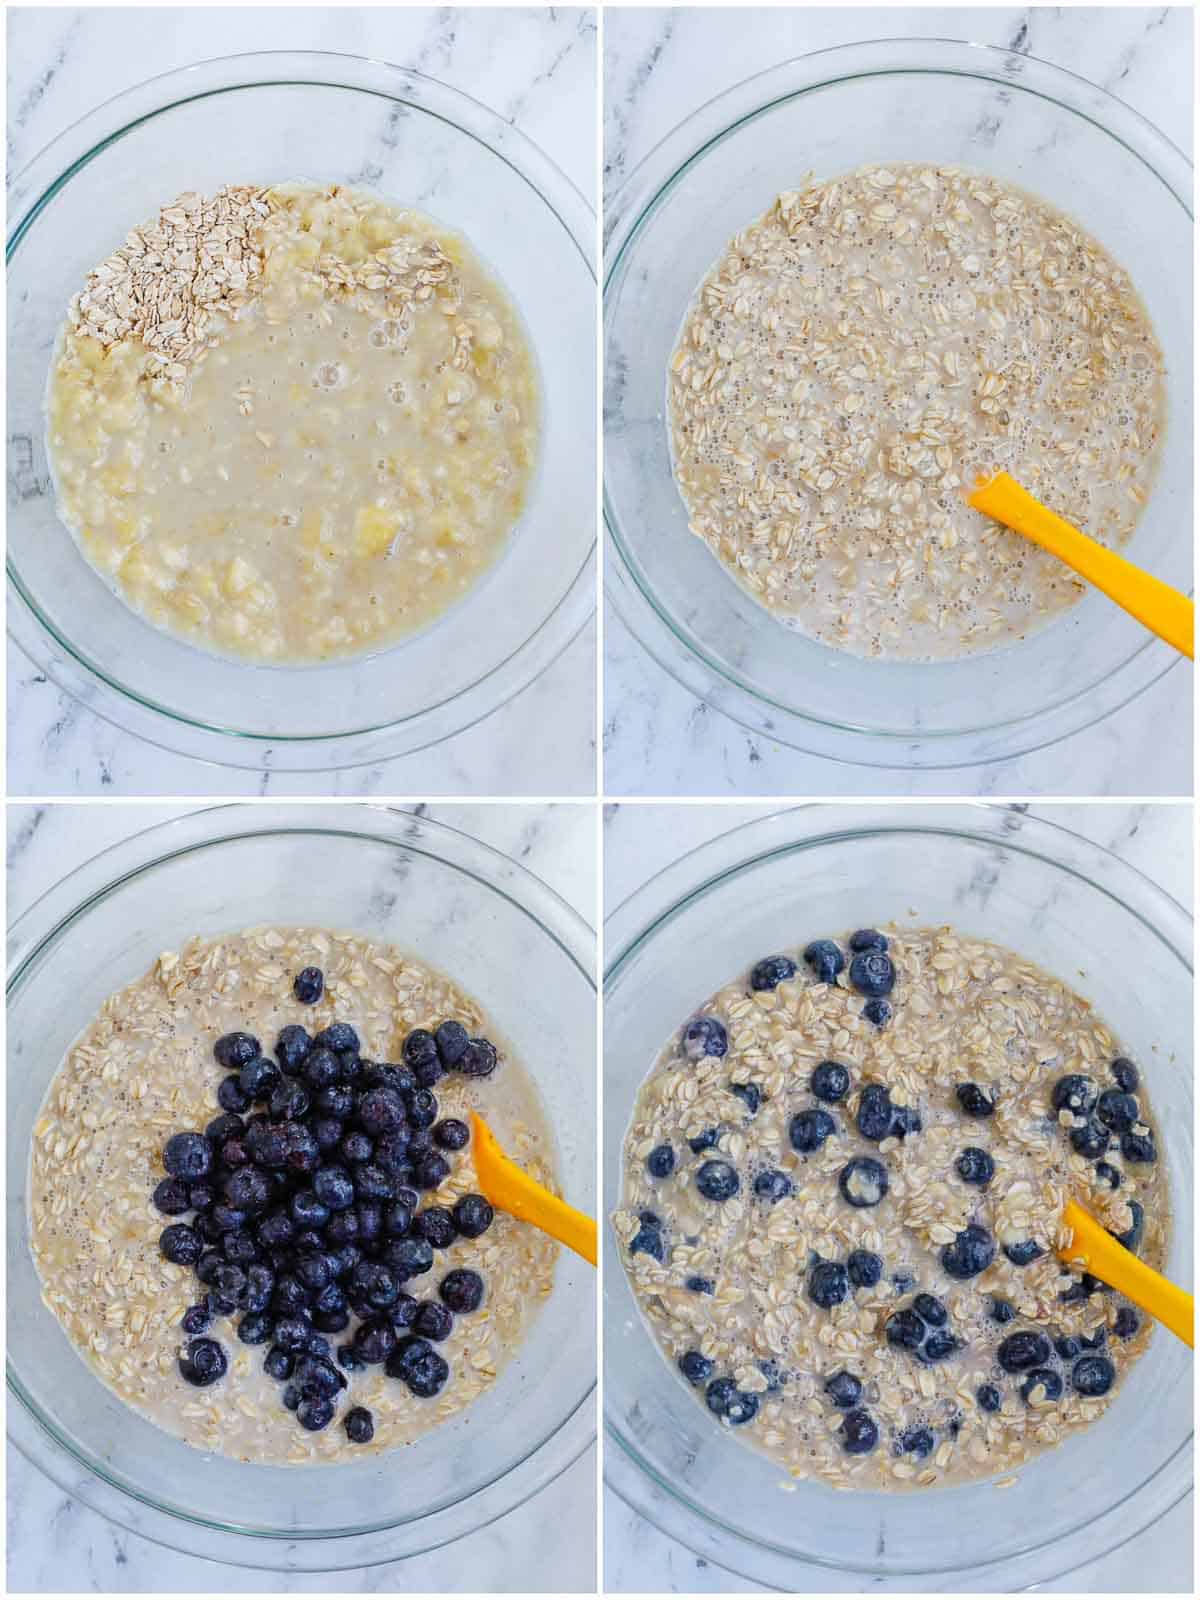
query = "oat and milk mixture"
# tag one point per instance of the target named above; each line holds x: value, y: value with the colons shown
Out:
x: 866, y: 349
x: 840, y: 1214
x: 145, y: 1069
x: 292, y: 424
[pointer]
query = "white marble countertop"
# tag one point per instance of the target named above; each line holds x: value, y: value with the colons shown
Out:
x: 641, y: 840
x: 537, y: 67
x: 56, y: 1544
x: 660, y: 64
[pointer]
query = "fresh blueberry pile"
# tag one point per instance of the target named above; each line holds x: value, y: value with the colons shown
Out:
x: 1106, y: 1118
x: 922, y: 1329
x: 305, y: 1194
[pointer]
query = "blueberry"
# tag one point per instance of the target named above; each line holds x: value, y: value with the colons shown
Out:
x: 420, y: 1050
x: 875, y: 1112
x: 825, y: 959
x: 660, y: 1163
x: 905, y: 1120
x: 1132, y: 1237
x: 697, y: 1285
x: 878, y: 1012
x: 872, y: 974
x: 1002, y: 1311
x: 704, y: 1141
x: 181, y: 1244
x: 372, y: 1182
x: 1098, y: 1340
x: 863, y: 1182
x: 374, y: 1284
x: 1043, y: 1383
x: 1024, y: 1350
x: 939, y: 1345
x: 307, y: 1210
x: 1125, y: 1075
x: 931, y: 1310
x: 327, y: 1131
x: 309, y: 985
x: 828, y: 1284
x: 322, y: 1068
x: 337, y: 1036
x: 188, y: 1156
x: 203, y: 1362
x: 1074, y: 1093
x: 333, y: 1188
x: 233, y: 1050
x: 230, y: 1096
x: 195, y: 1319
x: 844, y: 1390
x: 988, y: 1397
x: 247, y: 1190
x: 648, y: 1242
x: 972, y: 1252
x: 1067, y: 1347
x: 724, y: 1399
x: 291, y: 1047
x: 289, y: 1101
x: 704, y: 1036
x: 904, y: 1330
x: 462, y: 1290
x: 452, y: 1042
x: 404, y: 1313
x: 865, y: 1268
x: 1022, y: 1254
x: 436, y: 1225
x: 356, y: 1148
x: 258, y: 1077
x: 859, y: 1433
x: 1127, y: 1323
x: 433, y: 1320
x: 750, y: 1094
x: 422, y: 1108
x: 975, y: 1102
x: 1139, y: 1147
x: 349, y: 1358
x: 771, y: 972
x: 917, y: 1442
x: 1091, y: 1140
x: 830, y: 1082
x: 279, y: 1363
x: 292, y: 1397
x: 375, y: 1339
x: 975, y: 1166
x: 227, y: 1126
x: 808, y: 1130
x: 359, y: 1425
x: 478, y: 1060
x: 256, y: 1327
x: 260, y: 1284
x: 408, y: 1258
x: 380, y: 1111
x: 717, y: 1181
x: 419, y: 1366
x: 430, y: 1171
x: 772, y: 1185
x: 867, y: 939
x: 451, y: 1134
x: 1117, y: 1110
x: 695, y: 1367
x: 1109, y: 1174
x: 315, y: 1414
x: 171, y: 1197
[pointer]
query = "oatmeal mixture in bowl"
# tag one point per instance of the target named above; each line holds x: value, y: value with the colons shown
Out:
x: 859, y: 355
x: 292, y: 424
x: 252, y: 1201
x: 843, y: 1183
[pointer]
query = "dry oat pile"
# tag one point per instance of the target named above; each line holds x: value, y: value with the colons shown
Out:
x: 860, y: 354
x: 736, y: 1281
x: 292, y: 424
x: 143, y: 1071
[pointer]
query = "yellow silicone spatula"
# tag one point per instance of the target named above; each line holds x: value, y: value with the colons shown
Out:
x: 511, y: 1189
x: 1163, y: 610
x: 1094, y: 1249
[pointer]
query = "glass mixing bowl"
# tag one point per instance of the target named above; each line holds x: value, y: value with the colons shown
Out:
x: 891, y: 100
x: 327, y: 118
x: 1077, y: 911
x: 523, y: 954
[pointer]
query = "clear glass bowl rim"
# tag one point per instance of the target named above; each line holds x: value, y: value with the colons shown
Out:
x: 68, y: 901
x: 773, y: 837
x: 652, y: 181
x: 67, y: 154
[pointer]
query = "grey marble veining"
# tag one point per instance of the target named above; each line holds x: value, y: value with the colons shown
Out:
x: 641, y: 840
x: 55, y: 1543
x: 661, y: 64
x: 536, y: 67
